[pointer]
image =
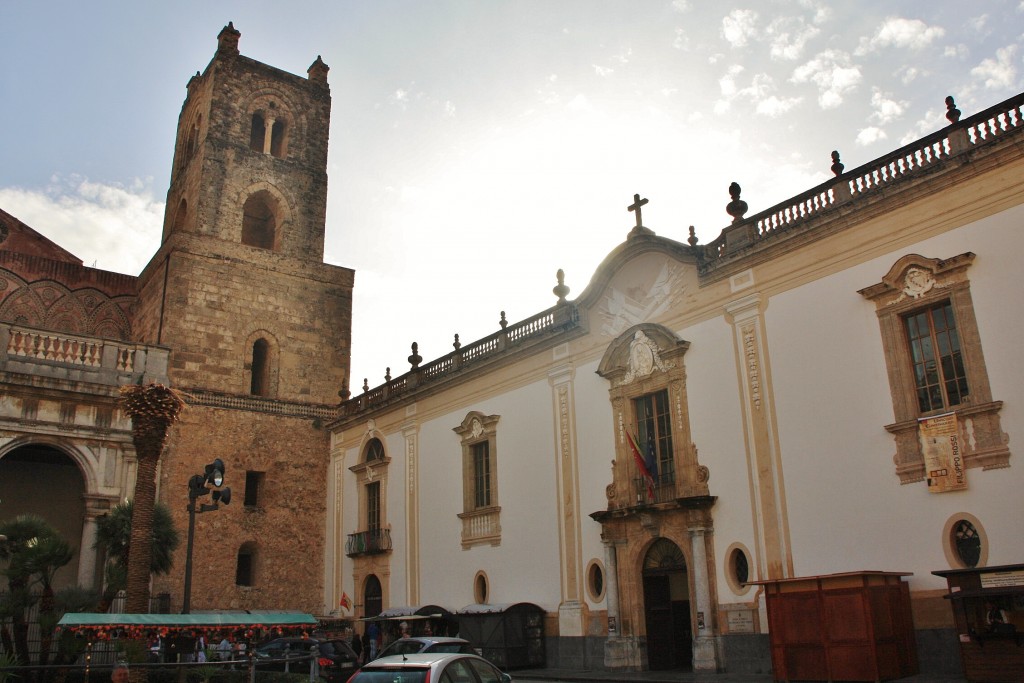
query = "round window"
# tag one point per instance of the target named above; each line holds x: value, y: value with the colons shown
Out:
x: 595, y: 581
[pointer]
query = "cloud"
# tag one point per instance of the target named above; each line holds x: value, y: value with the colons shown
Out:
x: 833, y: 74
x: 909, y: 74
x: 999, y: 72
x: 788, y: 36
x: 886, y: 110
x: 681, y: 41
x: 867, y: 136
x: 739, y: 26
x: 113, y: 226
x: 761, y: 92
x: 603, y: 71
x: 959, y: 51
x: 681, y: 5
x: 903, y: 33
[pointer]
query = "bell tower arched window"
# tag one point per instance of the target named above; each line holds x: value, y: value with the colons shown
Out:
x: 260, y: 385
x: 258, y: 133
x: 259, y: 222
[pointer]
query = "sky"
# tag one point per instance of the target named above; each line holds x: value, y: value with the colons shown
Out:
x: 478, y: 146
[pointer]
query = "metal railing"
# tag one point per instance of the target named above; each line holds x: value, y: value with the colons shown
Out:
x: 370, y: 542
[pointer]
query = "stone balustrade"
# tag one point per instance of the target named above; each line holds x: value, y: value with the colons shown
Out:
x: 72, y: 357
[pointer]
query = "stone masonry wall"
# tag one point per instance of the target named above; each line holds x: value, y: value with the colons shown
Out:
x: 287, y: 526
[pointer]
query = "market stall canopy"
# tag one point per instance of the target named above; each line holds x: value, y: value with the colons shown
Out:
x: 198, y: 622
x: 411, y: 613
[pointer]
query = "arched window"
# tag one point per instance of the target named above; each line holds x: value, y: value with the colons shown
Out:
x: 259, y: 224
x: 374, y: 450
x: 180, y: 216
x: 260, y: 385
x: 257, y: 133
x: 277, y: 139
x: 245, y: 569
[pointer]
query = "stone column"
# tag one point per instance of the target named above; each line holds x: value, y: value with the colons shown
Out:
x: 611, y: 588
x: 703, y: 640
x: 86, y: 552
x: 268, y: 131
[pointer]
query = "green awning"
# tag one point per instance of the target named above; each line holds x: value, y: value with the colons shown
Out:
x: 268, y: 618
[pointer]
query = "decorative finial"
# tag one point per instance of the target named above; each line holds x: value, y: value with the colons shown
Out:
x: 227, y: 39
x: 415, y: 359
x: 344, y: 394
x: 560, y: 290
x: 317, y: 71
x: 366, y: 385
x: 952, y: 113
x: 837, y: 166
x: 387, y: 374
x: 457, y: 344
x: 503, y: 322
x: 692, y: 239
x: 737, y: 207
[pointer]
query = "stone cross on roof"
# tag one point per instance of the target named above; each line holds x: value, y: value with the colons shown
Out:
x: 635, y: 206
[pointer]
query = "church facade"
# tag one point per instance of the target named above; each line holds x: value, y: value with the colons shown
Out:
x: 830, y: 386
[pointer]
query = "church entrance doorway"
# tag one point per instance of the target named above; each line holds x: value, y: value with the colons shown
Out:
x: 38, y: 479
x: 667, y: 607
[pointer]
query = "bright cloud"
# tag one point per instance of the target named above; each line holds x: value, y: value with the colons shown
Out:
x: 603, y: 71
x: 761, y: 92
x: 112, y: 226
x: 682, y: 41
x: 899, y: 32
x: 866, y: 136
x: 681, y: 5
x: 833, y: 74
x: 999, y: 72
x: 886, y: 110
x: 774, y: 107
x: 739, y: 27
x: 788, y: 36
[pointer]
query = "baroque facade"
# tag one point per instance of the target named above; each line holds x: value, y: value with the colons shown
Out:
x: 829, y: 387
x: 633, y: 461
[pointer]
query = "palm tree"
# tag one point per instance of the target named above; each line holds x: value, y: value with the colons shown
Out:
x: 153, y: 408
x: 113, y: 538
x: 34, y: 551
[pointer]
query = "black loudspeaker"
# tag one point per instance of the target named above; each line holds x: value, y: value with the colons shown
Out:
x: 223, y: 495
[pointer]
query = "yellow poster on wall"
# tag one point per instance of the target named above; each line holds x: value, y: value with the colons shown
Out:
x: 943, y: 459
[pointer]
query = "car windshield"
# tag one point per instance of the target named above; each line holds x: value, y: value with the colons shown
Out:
x: 403, y: 675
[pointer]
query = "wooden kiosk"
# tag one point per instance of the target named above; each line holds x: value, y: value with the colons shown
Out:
x: 854, y: 626
x: 988, y: 610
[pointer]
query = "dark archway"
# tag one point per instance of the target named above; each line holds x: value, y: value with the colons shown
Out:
x: 38, y: 479
x: 667, y: 607
x: 373, y: 597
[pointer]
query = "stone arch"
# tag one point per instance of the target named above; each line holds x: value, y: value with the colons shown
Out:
x: 24, y: 307
x: 110, y: 321
x: 67, y: 314
x: 52, y: 478
x: 269, y: 123
x: 267, y: 197
x: 180, y: 223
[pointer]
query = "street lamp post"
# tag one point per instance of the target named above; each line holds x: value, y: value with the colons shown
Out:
x: 197, y: 486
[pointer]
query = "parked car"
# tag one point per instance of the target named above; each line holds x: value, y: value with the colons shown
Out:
x: 430, y: 668
x: 426, y: 644
x: 336, y: 658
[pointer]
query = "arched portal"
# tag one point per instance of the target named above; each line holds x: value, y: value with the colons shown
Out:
x: 38, y: 479
x: 667, y: 607
x: 373, y: 597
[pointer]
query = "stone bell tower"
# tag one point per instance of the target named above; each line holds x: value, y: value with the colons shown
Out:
x: 258, y: 328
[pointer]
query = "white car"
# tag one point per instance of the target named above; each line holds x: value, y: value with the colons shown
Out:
x: 430, y: 668
x: 427, y: 644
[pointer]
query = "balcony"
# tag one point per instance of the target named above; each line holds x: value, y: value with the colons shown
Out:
x: 372, y: 542
x: 663, y: 490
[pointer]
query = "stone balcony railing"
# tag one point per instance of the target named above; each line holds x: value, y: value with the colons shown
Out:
x: 79, y: 358
x: 909, y: 162
x: 481, y: 526
x: 509, y: 339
